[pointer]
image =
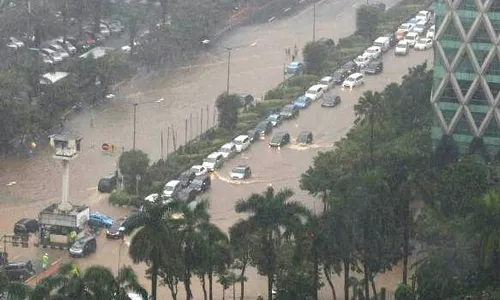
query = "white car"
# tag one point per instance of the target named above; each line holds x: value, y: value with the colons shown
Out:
x: 171, y: 188
x: 14, y: 43
x: 154, y: 197
x: 228, y: 150
x: 242, y: 142
x: 326, y: 83
x: 66, y: 45
x: 59, y: 49
x: 362, y: 61
x: 104, y: 29
x: 431, y: 32
x: 423, y: 44
x: 56, y: 57
x: 419, y: 27
x: 315, y: 92
x: 412, y: 38
x: 199, y: 170
x: 353, y: 80
x: 402, y: 48
x: 213, y: 161
x: 374, y: 52
x: 424, y: 15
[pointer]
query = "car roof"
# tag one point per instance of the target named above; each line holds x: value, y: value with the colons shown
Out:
x: 289, y: 106
x: 240, y: 166
x: 230, y: 144
x: 326, y: 78
x: 172, y: 183
x: 214, y: 154
x: 281, y: 133
x: 197, y: 166
x: 238, y: 138
x: 202, y: 177
x: 422, y: 22
x: 305, y: 132
x: 402, y: 42
x: 355, y: 75
x: 412, y: 34
x: 294, y: 63
x: 315, y: 87
x: 382, y: 38
x: 374, y: 48
x: 375, y: 62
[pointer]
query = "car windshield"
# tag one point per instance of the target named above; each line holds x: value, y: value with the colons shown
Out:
x: 373, y: 65
x: 302, y: 137
x: 169, y: 188
x: 422, y: 14
x: 288, y: 109
x: 401, y: 45
x: 360, y: 58
x: 239, y: 170
x: 431, y: 29
x: 79, y: 244
x: 371, y: 50
x: 404, y: 27
x: 197, y: 182
x: 349, y: 79
x: 422, y: 40
x: 273, y: 118
x: 196, y: 169
x: 225, y: 150
x: 311, y: 91
x: 338, y: 74
x: 411, y: 37
x: 277, y: 138
x: 325, y: 81
x: 420, y: 26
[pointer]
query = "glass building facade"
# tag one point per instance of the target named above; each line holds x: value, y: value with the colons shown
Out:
x: 466, y: 86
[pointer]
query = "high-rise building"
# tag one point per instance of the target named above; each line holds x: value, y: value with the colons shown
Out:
x: 466, y: 86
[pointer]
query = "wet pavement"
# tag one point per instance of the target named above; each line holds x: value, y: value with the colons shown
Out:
x: 253, y: 69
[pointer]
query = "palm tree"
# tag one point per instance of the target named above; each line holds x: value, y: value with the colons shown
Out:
x: 369, y: 110
x: 97, y: 282
x: 154, y: 238
x: 272, y: 217
x: 242, y: 241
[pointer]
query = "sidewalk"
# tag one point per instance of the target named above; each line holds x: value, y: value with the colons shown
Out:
x: 34, y: 280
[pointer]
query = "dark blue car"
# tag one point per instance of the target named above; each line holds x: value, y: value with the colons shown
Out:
x: 98, y: 219
x: 302, y: 102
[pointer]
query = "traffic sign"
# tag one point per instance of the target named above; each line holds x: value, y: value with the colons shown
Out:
x: 105, y: 147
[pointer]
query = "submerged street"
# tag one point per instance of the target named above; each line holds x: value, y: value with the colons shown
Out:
x: 255, y: 67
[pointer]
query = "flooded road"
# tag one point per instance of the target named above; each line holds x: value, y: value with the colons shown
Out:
x: 254, y: 69
x: 186, y: 91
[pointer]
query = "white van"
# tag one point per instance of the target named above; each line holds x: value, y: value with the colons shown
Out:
x: 383, y: 42
x: 412, y: 38
x: 431, y: 32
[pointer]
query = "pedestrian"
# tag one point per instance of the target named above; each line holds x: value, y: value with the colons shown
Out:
x: 295, y: 51
x: 45, y: 261
x: 293, y: 57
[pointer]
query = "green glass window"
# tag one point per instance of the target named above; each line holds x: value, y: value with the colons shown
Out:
x: 494, y: 67
x: 463, y: 126
x: 480, y: 53
x: 494, y: 88
x: 467, y: 5
x: 478, y: 118
x: 481, y: 35
x: 495, y: 22
x: 451, y: 33
x: 492, y: 129
x: 464, y: 85
x: 479, y: 96
x: 450, y: 53
x: 448, y: 115
x: 465, y: 64
x: 449, y: 94
x: 495, y: 6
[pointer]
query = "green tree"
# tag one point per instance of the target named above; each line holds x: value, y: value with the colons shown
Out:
x: 154, y: 239
x: 133, y: 163
x: 486, y: 223
x: 368, y: 17
x: 404, y: 292
x: 273, y: 218
x: 315, y: 55
x: 227, y: 110
x: 368, y: 111
x: 243, y: 241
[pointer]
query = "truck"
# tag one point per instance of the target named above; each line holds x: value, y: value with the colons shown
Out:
x: 75, y: 219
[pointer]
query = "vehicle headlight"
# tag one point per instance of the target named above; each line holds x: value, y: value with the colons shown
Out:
x: 107, y: 231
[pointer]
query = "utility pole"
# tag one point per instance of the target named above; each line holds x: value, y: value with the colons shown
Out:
x: 314, y: 21
x: 228, y: 68
x: 135, y: 119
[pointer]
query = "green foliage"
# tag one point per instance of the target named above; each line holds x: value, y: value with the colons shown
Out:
x: 122, y: 198
x: 133, y: 163
x: 227, y: 108
x: 368, y: 17
x: 315, y: 54
x: 303, y: 82
x: 404, y: 292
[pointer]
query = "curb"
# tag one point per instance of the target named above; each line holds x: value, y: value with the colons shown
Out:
x: 51, y: 246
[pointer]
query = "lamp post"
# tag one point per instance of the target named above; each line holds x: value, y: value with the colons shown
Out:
x: 135, y: 117
x: 314, y: 22
x: 228, y: 68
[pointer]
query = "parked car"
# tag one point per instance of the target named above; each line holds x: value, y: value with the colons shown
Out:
x: 326, y: 83
x: 275, y: 119
x: 354, y: 80
x: 424, y: 15
x: 289, y: 112
x: 374, y: 67
x: 330, y: 101
x: 340, y: 75
x: 295, y: 68
x: 375, y: 52
x: 116, y: 230
x: 25, y: 226
x: 403, y: 30
x: 186, y: 177
x: 302, y: 102
x: 362, y: 61
x: 241, y: 172
x: 253, y: 134
x: 242, y: 142
x: 98, y: 219
x: 18, y: 270
x: 107, y: 183
x: 413, y: 21
x: 55, y: 56
x: 423, y: 44
x: 351, y: 67
x: 264, y: 128
x: 279, y: 139
x: 228, y: 150
x: 315, y: 92
x: 412, y: 39
x: 59, y: 49
x: 383, y: 42
x: 393, y: 40
x: 171, y: 188
x: 305, y: 138
x: 213, y: 161
x: 187, y: 195
x: 199, y: 170
x: 14, y: 43
x: 430, y: 33
x: 420, y: 27
x: 83, y: 246
x: 402, y: 48
x: 201, y: 183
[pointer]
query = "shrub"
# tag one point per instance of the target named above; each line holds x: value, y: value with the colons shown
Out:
x: 302, y: 81
x: 276, y: 93
x: 122, y: 198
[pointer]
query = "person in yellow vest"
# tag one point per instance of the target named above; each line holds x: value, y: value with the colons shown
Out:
x: 45, y: 261
x: 74, y: 270
x: 72, y: 238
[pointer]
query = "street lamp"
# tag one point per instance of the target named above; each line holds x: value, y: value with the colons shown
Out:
x: 314, y: 22
x: 228, y: 67
x: 135, y: 116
